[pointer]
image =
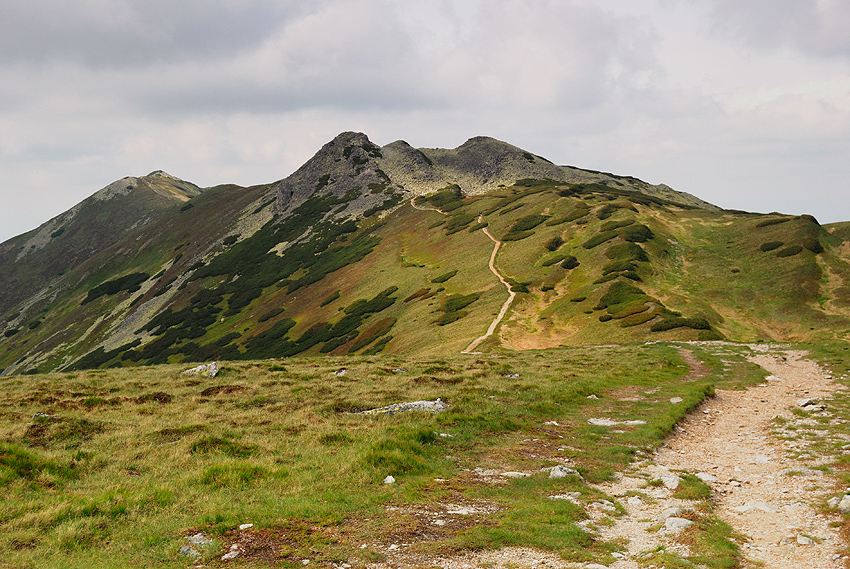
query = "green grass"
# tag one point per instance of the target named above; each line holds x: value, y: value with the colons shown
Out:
x: 166, y: 455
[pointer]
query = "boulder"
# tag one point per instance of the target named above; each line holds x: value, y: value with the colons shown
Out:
x: 204, y: 370
x: 675, y: 525
x: 563, y: 471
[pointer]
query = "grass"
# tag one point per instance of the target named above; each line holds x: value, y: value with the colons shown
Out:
x: 272, y: 443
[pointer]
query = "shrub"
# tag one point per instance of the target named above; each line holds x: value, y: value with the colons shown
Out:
x: 574, y: 215
x: 417, y: 294
x: 380, y: 328
x: 618, y: 267
x: 622, y: 293
x: 773, y: 221
x: 456, y: 302
x: 637, y: 233
x: 458, y: 221
x: 553, y: 260
x: 570, y: 262
x: 578, y: 299
x: 129, y: 282
x: 636, y: 319
x: 605, y: 317
x: 511, y: 236
x: 554, y: 244
x: 330, y: 298
x: 478, y: 226
x: 444, y: 277
x: 789, y: 251
x: 612, y: 225
x: 676, y: 322
x: 599, y: 239
x: 813, y: 245
x: 771, y: 245
x: 626, y: 252
x: 528, y: 222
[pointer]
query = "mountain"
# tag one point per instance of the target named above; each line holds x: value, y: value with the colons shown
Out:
x: 367, y: 249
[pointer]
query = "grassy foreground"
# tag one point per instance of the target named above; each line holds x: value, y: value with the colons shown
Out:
x: 125, y: 463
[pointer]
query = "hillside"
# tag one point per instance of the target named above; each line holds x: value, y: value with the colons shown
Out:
x: 369, y: 249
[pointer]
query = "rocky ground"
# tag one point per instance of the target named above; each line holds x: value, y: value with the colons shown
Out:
x: 768, y: 498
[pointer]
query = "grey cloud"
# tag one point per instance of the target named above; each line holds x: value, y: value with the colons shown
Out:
x: 816, y: 27
x: 119, y: 33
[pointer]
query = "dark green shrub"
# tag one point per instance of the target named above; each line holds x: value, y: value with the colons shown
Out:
x: 554, y: 244
x: 517, y: 236
x: 230, y: 240
x: 619, y: 311
x: 380, y: 328
x: 636, y: 319
x: 612, y: 225
x: 622, y: 293
x: 637, y: 233
x: 456, y: 302
x: 570, y: 262
x: 626, y: 252
x: 709, y: 336
x: 11, y: 332
x: 676, y: 322
x: 330, y: 298
x: 578, y: 299
x: 789, y: 251
x: 458, y: 221
x: 599, y: 239
x: 553, y: 260
x: 813, y: 245
x: 128, y: 282
x: 773, y: 221
x: 771, y: 245
x: 605, y: 317
x: 444, y: 277
x: 618, y: 267
x: 528, y: 222
x: 577, y: 213
x: 478, y: 226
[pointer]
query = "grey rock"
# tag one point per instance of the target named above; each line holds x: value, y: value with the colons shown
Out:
x: 437, y: 406
x: 805, y: 402
x: 706, y: 477
x: 189, y: 551
x: 341, y: 372
x: 844, y: 504
x: 245, y: 526
x: 671, y: 481
x: 204, y: 370
x: 43, y: 416
x: 833, y: 502
x: 592, y: 397
x: 512, y: 474
x: 675, y: 400
x: 563, y: 471
x: 674, y: 525
x: 230, y: 555
x: 389, y: 479
x: 595, y: 566
x: 805, y: 541
x: 604, y: 505
x: 199, y: 539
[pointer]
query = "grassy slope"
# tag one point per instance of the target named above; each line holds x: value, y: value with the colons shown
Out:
x: 133, y: 461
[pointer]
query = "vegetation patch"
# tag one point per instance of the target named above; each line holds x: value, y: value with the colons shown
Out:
x: 773, y: 221
x: 678, y: 322
x: 553, y: 260
x: 444, y: 277
x: 453, y: 306
x: 789, y: 251
x: 380, y: 328
x: 771, y: 245
x: 554, y: 244
x: 130, y: 283
x: 570, y: 262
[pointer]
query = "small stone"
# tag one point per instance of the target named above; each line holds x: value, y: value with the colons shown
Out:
x: 734, y: 483
x: 189, y: 551
x: 805, y: 541
x: 833, y: 502
x: 305, y: 562
x: 844, y: 504
x: 230, y: 555
x: 675, y: 400
x: 393, y: 547
x: 199, y: 539
x: 595, y: 566
x: 805, y: 402
x: 389, y: 479
x: 634, y: 501
x: 592, y: 397
x: 512, y: 474
x: 671, y: 481
x: 204, y: 370
x: 246, y: 526
x: 440, y: 523
x: 341, y: 372
x: 706, y: 477
x: 563, y: 471
x: 673, y: 524
x: 787, y: 540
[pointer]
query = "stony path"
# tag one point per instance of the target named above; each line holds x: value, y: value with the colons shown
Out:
x: 760, y: 492
x: 507, y: 303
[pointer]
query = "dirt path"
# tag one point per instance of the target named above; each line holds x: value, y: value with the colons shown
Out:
x: 511, y: 293
x: 760, y: 492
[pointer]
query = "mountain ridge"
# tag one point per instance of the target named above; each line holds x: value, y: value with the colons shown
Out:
x: 332, y: 259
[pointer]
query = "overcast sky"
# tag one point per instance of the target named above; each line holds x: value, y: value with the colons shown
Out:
x: 744, y: 103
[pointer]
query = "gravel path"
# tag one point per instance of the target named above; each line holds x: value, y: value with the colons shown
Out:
x: 760, y: 492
